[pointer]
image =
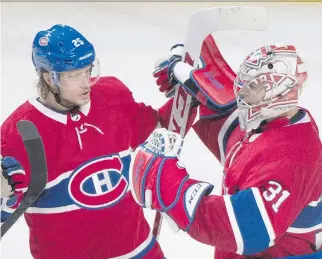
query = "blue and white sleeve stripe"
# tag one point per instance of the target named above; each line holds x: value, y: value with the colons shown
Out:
x: 309, y: 220
x: 253, y: 230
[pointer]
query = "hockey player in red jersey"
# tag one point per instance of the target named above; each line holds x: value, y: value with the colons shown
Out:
x: 270, y: 151
x: 89, y: 128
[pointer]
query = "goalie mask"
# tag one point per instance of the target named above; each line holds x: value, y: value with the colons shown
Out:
x: 268, y: 84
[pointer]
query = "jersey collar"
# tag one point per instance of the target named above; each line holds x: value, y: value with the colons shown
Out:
x: 300, y: 117
x: 54, y: 114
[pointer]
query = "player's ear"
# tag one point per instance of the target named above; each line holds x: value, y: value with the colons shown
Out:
x: 48, y: 80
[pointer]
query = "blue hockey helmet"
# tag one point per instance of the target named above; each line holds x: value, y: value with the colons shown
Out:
x: 61, y: 48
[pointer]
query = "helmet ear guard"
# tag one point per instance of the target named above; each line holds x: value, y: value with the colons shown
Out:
x: 44, y: 81
x: 52, y: 77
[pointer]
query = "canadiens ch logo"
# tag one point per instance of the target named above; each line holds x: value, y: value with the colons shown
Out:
x: 98, y: 183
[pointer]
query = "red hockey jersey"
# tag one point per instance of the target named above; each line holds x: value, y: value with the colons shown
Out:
x: 86, y: 210
x: 271, y: 204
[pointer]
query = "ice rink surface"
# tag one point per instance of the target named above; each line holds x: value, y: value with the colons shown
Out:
x: 128, y: 38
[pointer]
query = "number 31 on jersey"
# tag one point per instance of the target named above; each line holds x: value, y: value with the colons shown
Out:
x: 276, y: 194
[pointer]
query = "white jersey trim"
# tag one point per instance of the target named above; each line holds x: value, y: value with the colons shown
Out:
x: 58, y: 179
x: 67, y: 174
x: 265, y: 217
x: 61, y: 209
x: 304, y: 230
x: 125, y: 152
x: 233, y: 222
x: 62, y: 118
x: 315, y: 203
x: 222, y: 133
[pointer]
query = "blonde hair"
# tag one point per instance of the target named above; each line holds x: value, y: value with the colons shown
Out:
x: 42, y: 86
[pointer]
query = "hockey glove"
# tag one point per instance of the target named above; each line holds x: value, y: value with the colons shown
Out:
x: 160, y: 182
x: 163, y: 70
x: 15, y: 176
x: 211, y: 83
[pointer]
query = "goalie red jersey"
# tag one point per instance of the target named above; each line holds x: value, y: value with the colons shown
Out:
x: 271, y: 206
x: 86, y: 210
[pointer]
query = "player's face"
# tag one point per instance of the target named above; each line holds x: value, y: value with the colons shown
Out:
x: 75, y: 86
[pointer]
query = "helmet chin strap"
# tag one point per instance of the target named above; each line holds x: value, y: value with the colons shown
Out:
x: 60, y: 101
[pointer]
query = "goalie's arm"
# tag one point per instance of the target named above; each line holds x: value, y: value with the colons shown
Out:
x: 237, y: 223
x: 251, y: 220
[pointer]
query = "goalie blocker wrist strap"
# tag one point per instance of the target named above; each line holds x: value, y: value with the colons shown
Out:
x: 189, y: 195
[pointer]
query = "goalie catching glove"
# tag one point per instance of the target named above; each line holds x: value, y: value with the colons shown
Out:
x: 211, y: 84
x: 160, y: 182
